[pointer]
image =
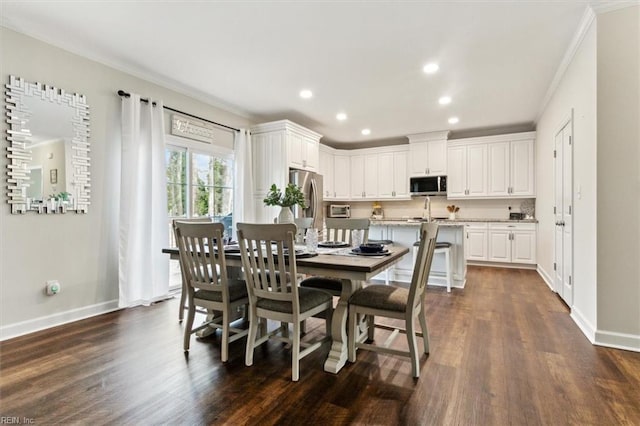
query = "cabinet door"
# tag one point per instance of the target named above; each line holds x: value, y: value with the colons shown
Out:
x: 386, y: 171
x: 357, y: 177
x: 499, y: 245
x: 294, y: 150
x: 476, y: 244
x: 457, y: 172
x: 523, y: 247
x: 419, y: 163
x: 522, y: 173
x: 310, y: 154
x: 341, y: 177
x: 325, y: 168
x: 370, y: 176
x: 476, y: 170
x: 437, y: 158
x: 400, y: 175
x: 498, y: 179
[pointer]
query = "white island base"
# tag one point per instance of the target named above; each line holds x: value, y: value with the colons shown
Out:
x: 405, y: 234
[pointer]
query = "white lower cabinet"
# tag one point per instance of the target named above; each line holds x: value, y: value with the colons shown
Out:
x: 512, y: 243
x: 476, y: 244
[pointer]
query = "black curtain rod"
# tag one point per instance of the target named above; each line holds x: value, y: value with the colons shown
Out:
x: 126, y: 95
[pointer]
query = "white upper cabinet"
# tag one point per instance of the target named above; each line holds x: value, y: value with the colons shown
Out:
x: 428, y: 154
x: 365, y: 174
x: 492, y: 167
x: 393, y: 180
x: 341, y: 177
x: 467, y: 171
x: 325, y: 168
x: 303, y: 151
x: 511, y: 172
x: 301, y: 144
x: 522, y: 168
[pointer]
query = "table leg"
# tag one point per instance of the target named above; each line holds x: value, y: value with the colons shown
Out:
x: 338, y: 354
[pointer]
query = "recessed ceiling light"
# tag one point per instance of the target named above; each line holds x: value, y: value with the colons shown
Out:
x: 366, y: 132
x: 431, y: 68
x: 306, y: 94
x: 444, y: 100
x: 453, y: 120
x: 341, y: 116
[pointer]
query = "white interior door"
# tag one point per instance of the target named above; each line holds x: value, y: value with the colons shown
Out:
x: 563, y: 172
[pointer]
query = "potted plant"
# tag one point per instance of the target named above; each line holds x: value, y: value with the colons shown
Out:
x: 292, y: 196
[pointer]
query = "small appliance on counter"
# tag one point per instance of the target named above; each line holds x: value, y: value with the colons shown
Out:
x: 338, y: 210
x: 516, y: 216
x: 377, y: 213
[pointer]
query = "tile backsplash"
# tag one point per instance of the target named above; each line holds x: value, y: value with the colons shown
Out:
x: 490, y: 209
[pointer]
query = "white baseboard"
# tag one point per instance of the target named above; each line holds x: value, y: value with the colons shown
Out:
x: 24, y: 327
x: 583, y: 324
x: 501, y: 264
x: 545, y: 277
x: 611, y: 339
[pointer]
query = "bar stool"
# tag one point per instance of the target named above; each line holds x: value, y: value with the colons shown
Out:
x: 445, y: 248
x: 384, y: 243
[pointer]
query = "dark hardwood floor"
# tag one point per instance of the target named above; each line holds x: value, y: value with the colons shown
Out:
x: 503, y: 351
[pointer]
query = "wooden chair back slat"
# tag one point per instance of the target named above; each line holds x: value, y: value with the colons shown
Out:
x: 269, y: 273
x: 339, y: 229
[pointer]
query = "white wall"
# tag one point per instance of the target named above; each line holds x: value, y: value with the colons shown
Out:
x: 619, y: 177
x: 78, y: 250
x: 576, y: 91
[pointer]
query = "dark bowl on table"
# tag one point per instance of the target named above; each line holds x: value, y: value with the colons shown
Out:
x: 371, y: 248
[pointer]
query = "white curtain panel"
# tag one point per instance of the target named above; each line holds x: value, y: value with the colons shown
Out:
x: 243, y: 191
x: 144, y: 222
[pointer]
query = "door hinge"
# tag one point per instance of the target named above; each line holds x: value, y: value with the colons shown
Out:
x: 554, y: 153
x: 569, y: 209
x: 570, y: 139
x: 570, y: 280
x: 554, y: 209
x: 554, y: 266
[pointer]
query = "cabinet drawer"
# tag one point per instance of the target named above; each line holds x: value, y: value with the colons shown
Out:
x: 512, y: 226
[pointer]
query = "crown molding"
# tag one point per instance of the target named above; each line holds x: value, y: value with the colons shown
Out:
x: 126, y: 68
x: 585, y: 23
x: 612, y: 5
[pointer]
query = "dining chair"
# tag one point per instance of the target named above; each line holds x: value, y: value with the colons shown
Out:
x: 339, y: 230
x: 267, y: 252
x: 398, y: 303
x: 183, y: 293
x: 202, y: 259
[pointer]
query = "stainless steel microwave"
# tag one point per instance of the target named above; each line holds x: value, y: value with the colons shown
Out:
x: 339, y: 210
x: 428, y: 185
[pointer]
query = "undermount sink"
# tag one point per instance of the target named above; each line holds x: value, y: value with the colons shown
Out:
x: 417, y: 220
x: 422, y: 219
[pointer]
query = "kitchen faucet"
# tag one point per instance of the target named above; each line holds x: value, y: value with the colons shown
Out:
x: 426, y: 214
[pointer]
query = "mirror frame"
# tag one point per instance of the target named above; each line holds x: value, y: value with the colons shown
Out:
x: 19, y: 150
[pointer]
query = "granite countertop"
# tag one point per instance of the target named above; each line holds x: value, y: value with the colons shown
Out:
x: 445, y: 222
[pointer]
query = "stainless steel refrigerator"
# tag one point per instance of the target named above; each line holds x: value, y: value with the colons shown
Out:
x: 311, y: 185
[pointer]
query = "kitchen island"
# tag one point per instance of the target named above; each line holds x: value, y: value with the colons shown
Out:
x: 404, y: 233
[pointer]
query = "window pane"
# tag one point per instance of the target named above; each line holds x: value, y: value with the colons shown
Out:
x: 176, y: 200
x: 223, y: 173
x: 176, y: 162
x: 202, y: 169
x: 202, y: 196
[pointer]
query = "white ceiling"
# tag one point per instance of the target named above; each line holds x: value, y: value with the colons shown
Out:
x: 497, y: 59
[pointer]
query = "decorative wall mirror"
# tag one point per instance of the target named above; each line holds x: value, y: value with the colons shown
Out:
x: 48, y: 135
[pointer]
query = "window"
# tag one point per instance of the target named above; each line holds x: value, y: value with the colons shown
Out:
x: 199, y: 185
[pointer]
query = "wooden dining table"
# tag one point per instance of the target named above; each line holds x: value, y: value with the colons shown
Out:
x: 351, y: 269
